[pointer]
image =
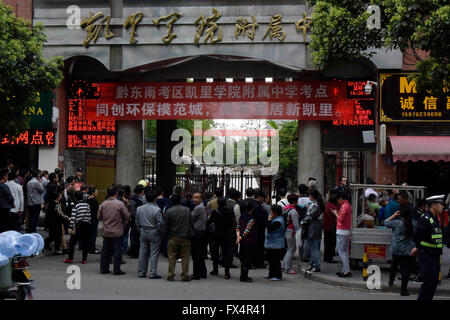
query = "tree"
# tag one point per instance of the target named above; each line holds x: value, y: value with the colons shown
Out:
x: 24, y: 72
x: 340, y: 34
x: 288, y: 147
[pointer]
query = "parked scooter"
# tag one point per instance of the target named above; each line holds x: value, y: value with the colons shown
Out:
x: 15, y: 280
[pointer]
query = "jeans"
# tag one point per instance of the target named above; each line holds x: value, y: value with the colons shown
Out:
x: 274, y: 257
x: 287, y: 260
x: 183, y: 246
x: 405, y: 263
x: 314, y: 247
x: 34, y: 217
x: 111, y: 246
x: 342, y: 247
x: 150, y: 244
x: 126, y: 232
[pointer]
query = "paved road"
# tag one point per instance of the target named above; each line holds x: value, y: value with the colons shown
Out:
x: 50, y: 276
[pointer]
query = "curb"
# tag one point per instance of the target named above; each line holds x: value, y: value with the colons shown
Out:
x: 326, y: 279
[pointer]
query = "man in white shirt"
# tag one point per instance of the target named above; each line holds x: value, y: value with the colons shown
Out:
x: 283, y: 202
x: 17, y: 193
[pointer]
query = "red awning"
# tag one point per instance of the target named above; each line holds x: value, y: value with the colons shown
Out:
x: 420, y: 148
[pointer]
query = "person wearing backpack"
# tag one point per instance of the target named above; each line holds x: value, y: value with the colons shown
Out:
x: 292, y: 226
x: 283, y: 202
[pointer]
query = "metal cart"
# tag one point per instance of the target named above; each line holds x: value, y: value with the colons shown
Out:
x: 376, y: 242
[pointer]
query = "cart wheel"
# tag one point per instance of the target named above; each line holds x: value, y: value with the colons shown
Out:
x: 20, y: 295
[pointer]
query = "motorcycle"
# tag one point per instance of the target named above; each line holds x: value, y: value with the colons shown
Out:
x: 15, y: 280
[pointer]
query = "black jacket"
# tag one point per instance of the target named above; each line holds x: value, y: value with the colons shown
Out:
x: 178, y: 222
x: 224, y: 223
x: 6, y: 198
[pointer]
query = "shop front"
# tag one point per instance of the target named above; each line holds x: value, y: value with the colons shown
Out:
x: 418, y: 127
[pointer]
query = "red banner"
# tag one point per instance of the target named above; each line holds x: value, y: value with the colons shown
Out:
x: 314, y: 100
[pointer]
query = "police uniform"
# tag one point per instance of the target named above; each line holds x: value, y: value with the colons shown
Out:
x: 77, y: 178
x: 428, y: 240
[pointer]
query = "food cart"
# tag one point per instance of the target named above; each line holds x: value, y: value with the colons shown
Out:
x: 376, y: 241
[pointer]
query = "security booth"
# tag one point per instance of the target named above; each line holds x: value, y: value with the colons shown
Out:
x: 375, y: 241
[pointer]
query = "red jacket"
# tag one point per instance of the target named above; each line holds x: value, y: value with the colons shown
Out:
x: 329, y: 219
x: 344, y: 220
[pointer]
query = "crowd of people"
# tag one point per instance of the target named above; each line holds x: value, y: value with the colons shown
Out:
x: 214, y: 225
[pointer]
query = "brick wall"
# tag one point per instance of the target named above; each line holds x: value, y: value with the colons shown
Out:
x: 22, y: 8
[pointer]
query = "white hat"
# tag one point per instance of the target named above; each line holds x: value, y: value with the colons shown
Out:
x: 434, y: 199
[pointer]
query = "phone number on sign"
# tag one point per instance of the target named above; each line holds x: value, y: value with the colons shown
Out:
x: 421, y: 114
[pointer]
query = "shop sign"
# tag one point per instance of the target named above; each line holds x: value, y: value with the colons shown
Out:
x: 32, y: 137
x: 41, y: 114
x: 400, y: 102
x: 375, y: 251
x: 312, y: 100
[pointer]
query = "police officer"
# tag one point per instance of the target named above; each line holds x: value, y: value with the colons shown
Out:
x: 428, y: 239
x: 79, y: 177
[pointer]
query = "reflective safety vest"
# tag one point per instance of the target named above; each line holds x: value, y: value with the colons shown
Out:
x: 435, y: 241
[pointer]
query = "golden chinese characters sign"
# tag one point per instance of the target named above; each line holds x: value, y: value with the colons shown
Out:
x: 401, y: 102
x: 208, y: 26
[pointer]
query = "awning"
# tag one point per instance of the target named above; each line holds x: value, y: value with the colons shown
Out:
x: 420, y: 148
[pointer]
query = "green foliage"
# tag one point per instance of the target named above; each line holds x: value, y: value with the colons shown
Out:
x: 289, y: 149
x: 24, y: 72
x: 340, y: 34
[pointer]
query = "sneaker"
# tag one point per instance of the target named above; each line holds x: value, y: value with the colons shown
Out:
x: 179, y: 260
x: 267, y: 277
x: 314, y: 270
x: 404, y: 293
x: 417, y: 280
x: 141, y: 275
x: 185, y: 279
x: 169, y: 278
x: 58, y: 253
x: 275, y: 279
x: 68, y: 261
x: 214, y: 273
x: 307, y: 269
x: 291, y: 272
x: 120, y: 273
x: 155, y: 277
x: 105, y: 272
x: 346, y: 275
x: 248, y: 279
x: 84, y: 262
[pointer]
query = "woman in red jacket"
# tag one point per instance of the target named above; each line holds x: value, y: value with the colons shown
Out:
x: 344, y: 224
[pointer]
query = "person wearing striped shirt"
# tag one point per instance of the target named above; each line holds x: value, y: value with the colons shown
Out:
x: 79, y: 227
x: 246, y: 237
